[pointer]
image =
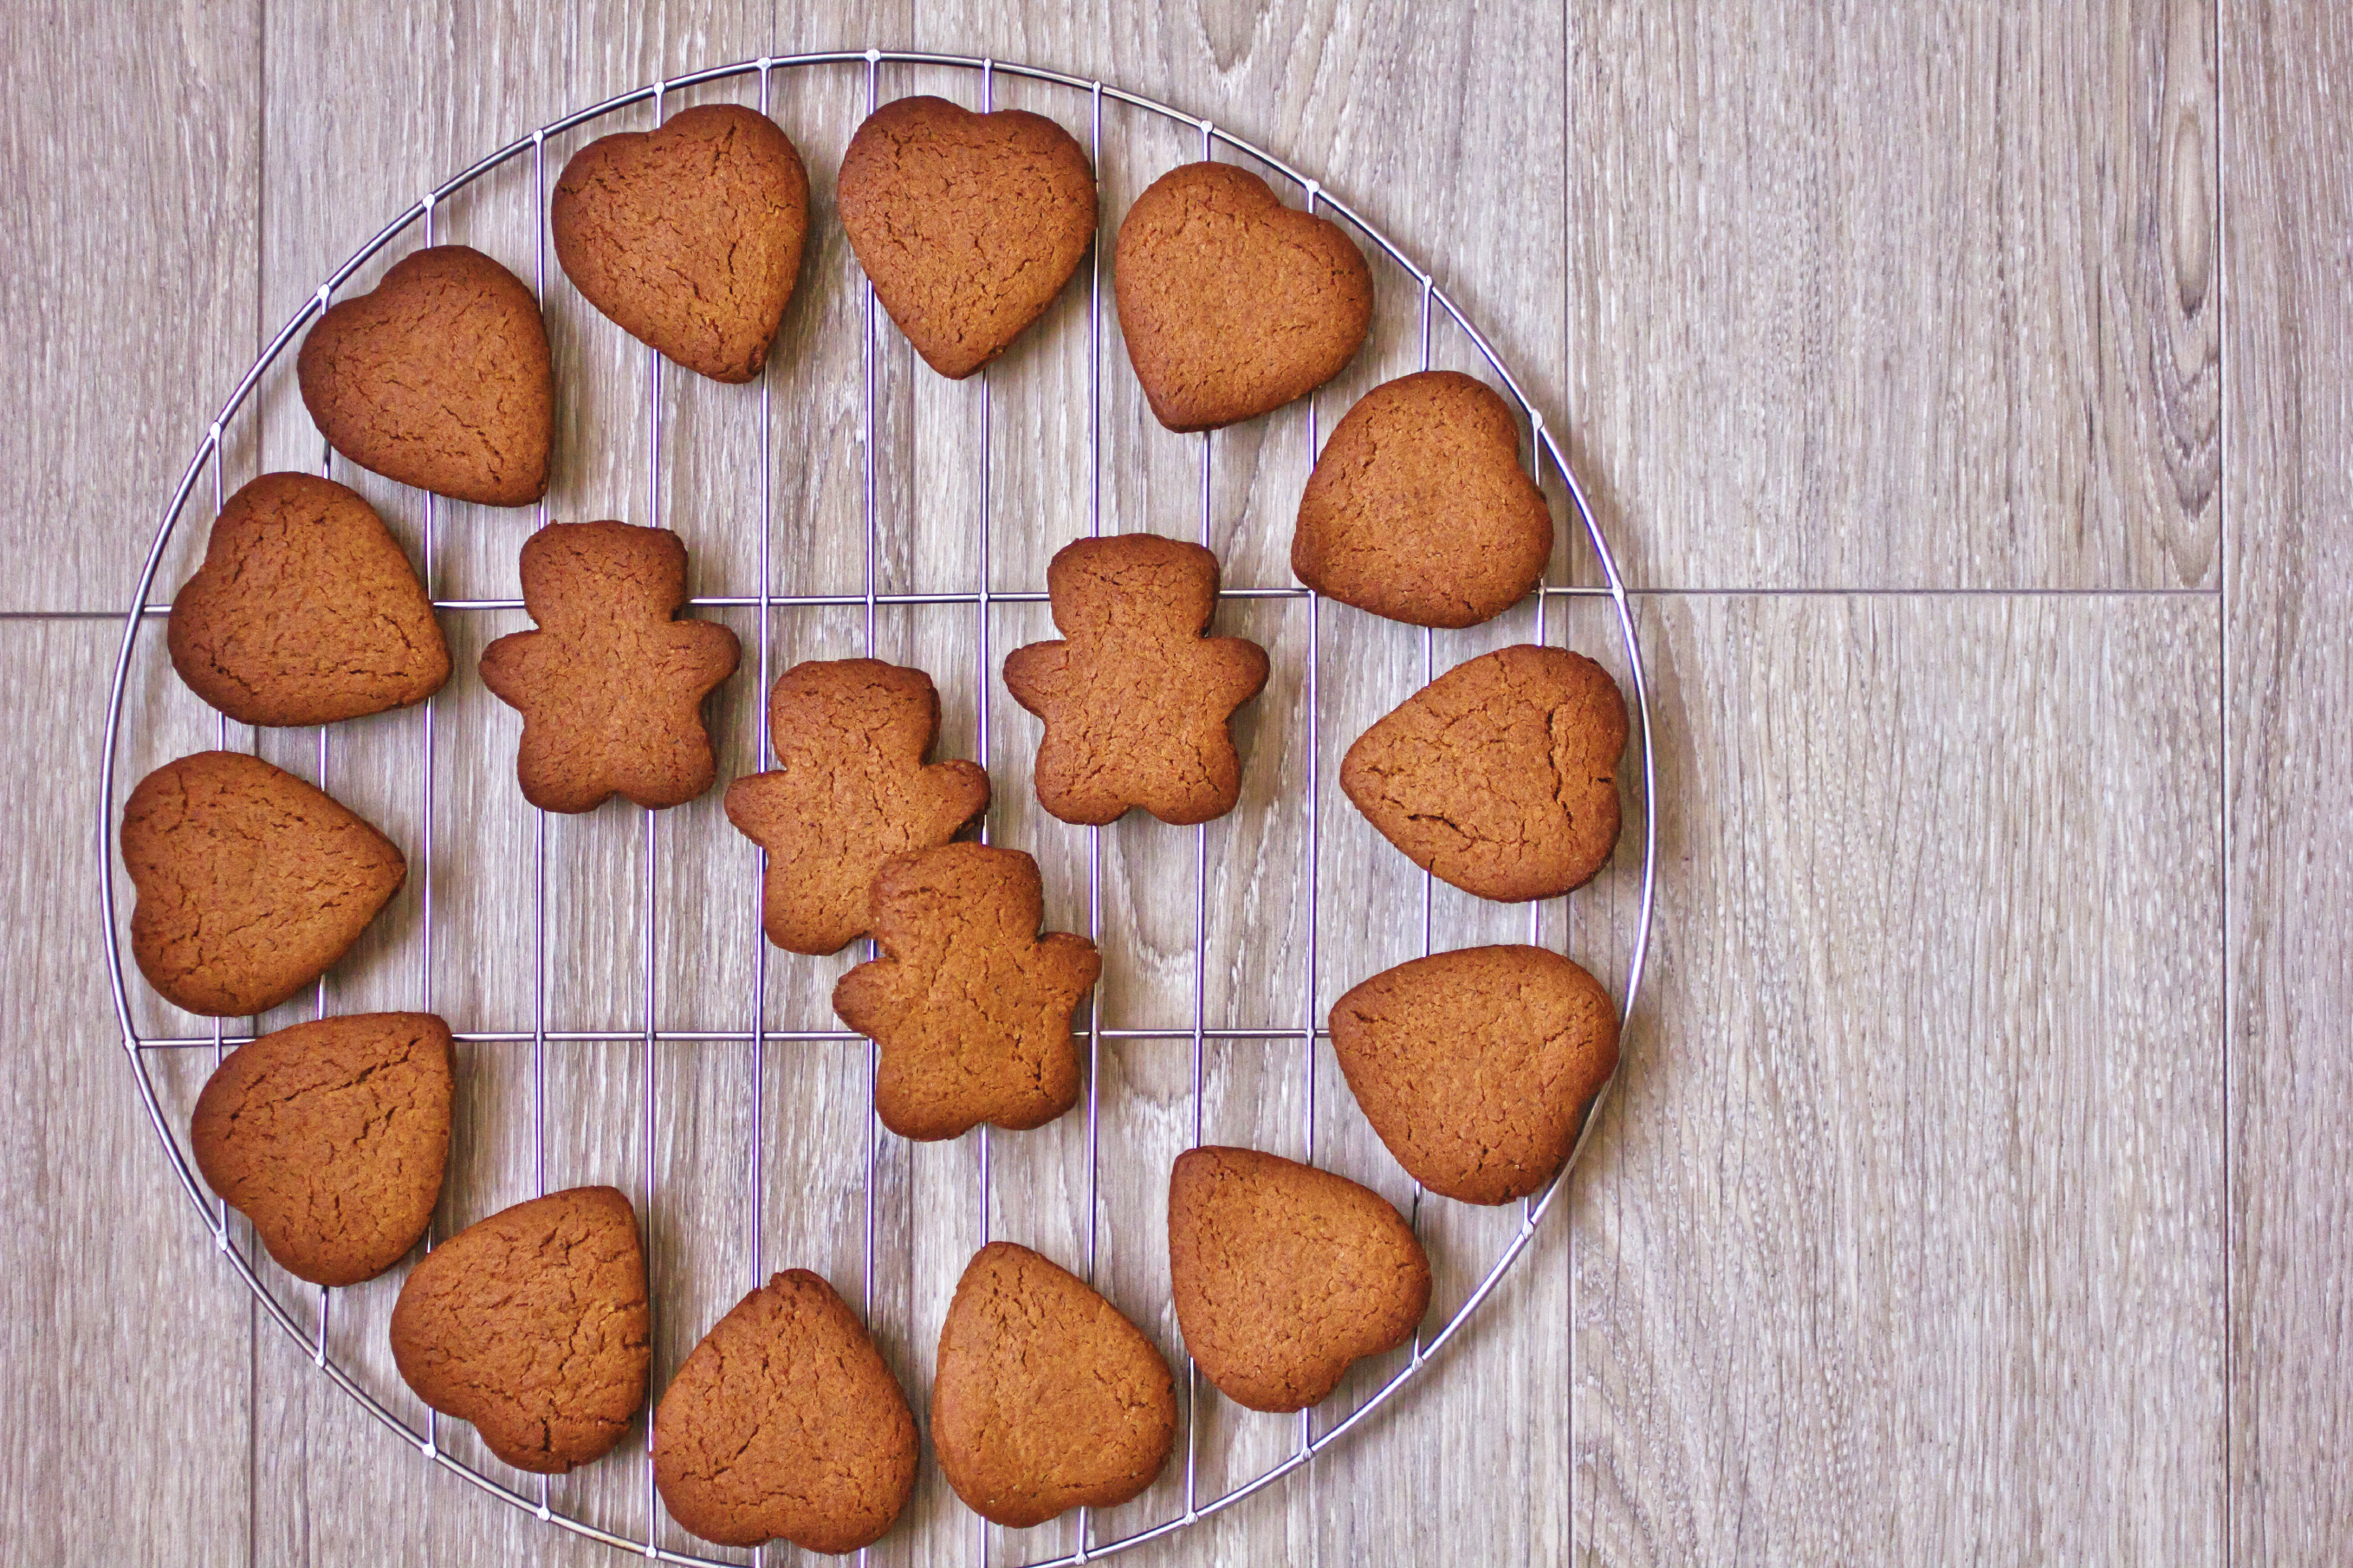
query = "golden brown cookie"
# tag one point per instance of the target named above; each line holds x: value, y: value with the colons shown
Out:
x: 251, y: 881
x: 439, y: 379
x: 1138, y: 701
x: 1418, y: 509
x: 1284, y: 1274
x: 1501, y: 775
x: 969, y: 1006
x: 968, y: 224
x: 331, y: 1137
x: 305, y: 610
x: 784, y: 1423
x: 531, y: 1324
x: 1232, y: 304
x: 687, y: 236
x: 1044, y: 1398
x: 850, y: 790
x: 1476, y: 1067
x: 611, y: 686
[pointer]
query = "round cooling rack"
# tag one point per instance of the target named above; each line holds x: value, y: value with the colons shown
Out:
x: 608, y: 1513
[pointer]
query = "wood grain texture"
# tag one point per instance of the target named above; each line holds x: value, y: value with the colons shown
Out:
x: 122, y: 120
x: 1901, y: 1239
x: 1914, y: 297
x: 2288, y: 537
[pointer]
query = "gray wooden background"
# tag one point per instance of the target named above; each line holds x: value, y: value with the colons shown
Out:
x: 1966, y: 390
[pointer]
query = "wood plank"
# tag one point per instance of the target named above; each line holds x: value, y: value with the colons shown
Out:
x: 131, y: 142
x: 2288, y: 537
x: 1909, y: 297
x: 125, y: 1415
x: 1901, y: 1241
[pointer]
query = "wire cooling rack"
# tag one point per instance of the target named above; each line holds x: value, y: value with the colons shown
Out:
x: 305, y: 1314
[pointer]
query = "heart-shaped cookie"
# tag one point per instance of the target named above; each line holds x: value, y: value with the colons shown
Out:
x: 1232, y: 304
x: 687, y: 236
x: 1501, y: 775
x: 305, y: 610
x: 968, y: 224
x: 1284, y: 1274
x: 533, y: 1325
x: 786, y: 1423
x: 331, y: 1137
x: 251, y: 881
x: 439, y: 379
x: 1474, y: 1067
x: 1045, y: 1397
x: 1418, y: 509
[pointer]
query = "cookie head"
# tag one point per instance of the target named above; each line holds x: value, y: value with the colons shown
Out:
x: 967, y: 223
x: 851, y: 790
x: 305, y: 610
x: 251, y: 882
x: 1138, y: 703
x: 439, y: 379
x: 1418, y: 509
x: 785, y: 1423
x: 331, y: 1137
x: 1476, y: 1067
x: 1232, y: 304
x: 611, y: 686
x: 970, y: 1006
x: 480, y: 1321
x: 1500, y: 776
x: 1046, y: 1398
x: 687, y: 236
x: 1284, y: 1274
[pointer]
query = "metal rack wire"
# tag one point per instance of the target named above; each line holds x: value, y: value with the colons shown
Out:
x: 1544, y: 453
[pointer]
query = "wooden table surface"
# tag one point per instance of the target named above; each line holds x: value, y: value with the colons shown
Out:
x: 1966, y: 390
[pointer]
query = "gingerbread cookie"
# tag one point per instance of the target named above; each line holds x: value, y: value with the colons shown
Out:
x: 1476, y: 1067
x: 1044, y: 1398
x: 968, y: 224
x: 1286, y: 1274
x: 969, y: 1006
x: 251, y: 881
x: 784, y: 1423
x: 687, y: 236
x: 439, y: 379
x: 1138, y: 700
x: 611, y: 686
x: 305, y: 610
x: 533, y: 1325
x: 331, y: 1137
x: 850, y: 790
x: 1232, y: 304
x: 1501, y: 775
x: 1418, y: 509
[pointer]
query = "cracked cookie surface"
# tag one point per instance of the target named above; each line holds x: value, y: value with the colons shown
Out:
x: 969, y: 1006
x: 849, y: 790
x: 305, y: 610
x: 1475, y: 1065
x: 251, y: 881
x: 331, y: 1137
x: 784, y: 1423
x: 1046, y: 1398
x: 968, y: 224
x: 1418, y: 509
x: 611, y: 686
x: 1501, y: 776
x: 1230, y: 303
x: 1284, y: 1274
x: 533, y: 1325
x: 687, y: 236
x: 1137, y: 699
x: 439, y: 379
